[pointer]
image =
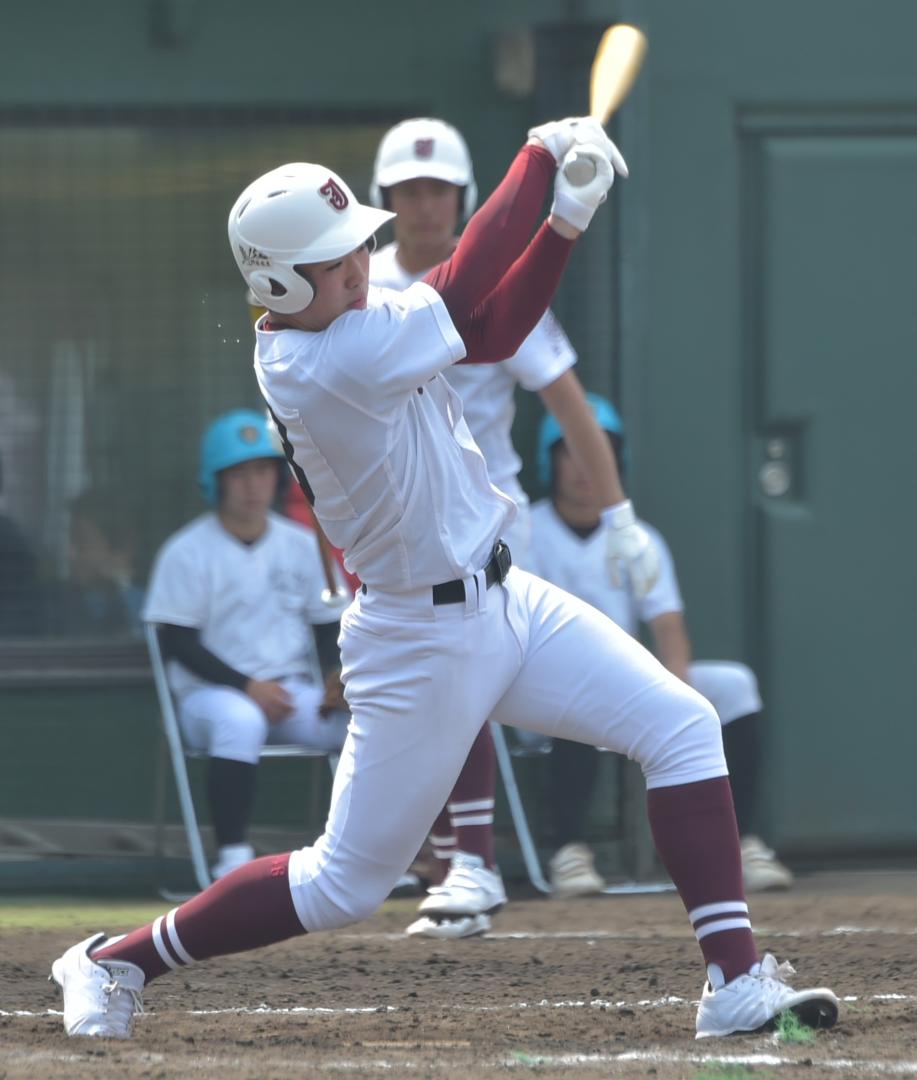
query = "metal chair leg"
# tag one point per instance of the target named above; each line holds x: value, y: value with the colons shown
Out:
x: 517, y: 811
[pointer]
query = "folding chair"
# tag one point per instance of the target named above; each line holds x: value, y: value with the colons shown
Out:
x: 179, y: 753
x: 640, y: 854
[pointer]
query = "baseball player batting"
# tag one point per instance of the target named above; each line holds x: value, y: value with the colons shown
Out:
x: 448, y: 633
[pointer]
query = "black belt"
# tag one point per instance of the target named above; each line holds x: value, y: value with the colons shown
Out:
x: 453, y: 592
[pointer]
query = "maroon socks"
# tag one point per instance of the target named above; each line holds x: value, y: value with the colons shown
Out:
x: 694, y: 828
x: 247, y: 909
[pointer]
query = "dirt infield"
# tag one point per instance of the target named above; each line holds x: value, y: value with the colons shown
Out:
x: 600, y: 987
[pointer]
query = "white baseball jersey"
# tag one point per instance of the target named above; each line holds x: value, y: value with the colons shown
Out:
x: 399, y: 483
x: 486, y: 390
x: 579, y: 566
x: 254, y: 604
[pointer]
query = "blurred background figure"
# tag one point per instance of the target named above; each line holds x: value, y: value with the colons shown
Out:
x: 20, y: 598
x: 234, y: 593
x: 567, y: 549
x: 102, y: 596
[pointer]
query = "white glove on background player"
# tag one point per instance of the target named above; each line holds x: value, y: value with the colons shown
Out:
x: 577, y: 203
x: 560, y: 136
x: 628, y: 549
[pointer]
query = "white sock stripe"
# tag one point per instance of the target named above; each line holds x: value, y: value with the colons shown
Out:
x: 722, y: 924
x: 442, y: 841
x: 175, y: 940
x: 472, y: 804
x: 473, y: 819
x: 160, y: 945
x: 721, y: 908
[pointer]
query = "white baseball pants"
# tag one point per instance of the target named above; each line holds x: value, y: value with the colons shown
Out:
x: 422, y: 679
x: 227, y: 723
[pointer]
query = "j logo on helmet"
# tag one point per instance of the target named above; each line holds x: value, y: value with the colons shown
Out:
x: 332, y: 192
x: 423, y: 148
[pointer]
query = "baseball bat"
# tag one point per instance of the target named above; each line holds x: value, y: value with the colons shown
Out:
x: 332, y: 591
x: 617, y: 62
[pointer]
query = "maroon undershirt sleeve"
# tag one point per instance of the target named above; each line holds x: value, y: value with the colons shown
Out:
x: 497, y: 328
x: 495, y: 236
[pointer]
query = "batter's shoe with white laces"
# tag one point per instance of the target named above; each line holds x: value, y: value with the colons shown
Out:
x: 752, y: 1002
x: 100, y: 999
x: 470, y: 888
x: 446, y: 929
x: 762, y: 871
x: 573, y: 873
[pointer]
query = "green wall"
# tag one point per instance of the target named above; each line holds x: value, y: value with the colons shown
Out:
x: 669, y: 307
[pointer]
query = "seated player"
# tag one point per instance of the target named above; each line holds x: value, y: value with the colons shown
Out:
x: 234, y: 593
x: 567, y: 549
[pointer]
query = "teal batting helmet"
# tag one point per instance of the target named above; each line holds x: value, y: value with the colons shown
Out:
x: 550, y: 432
x: 234, y: 437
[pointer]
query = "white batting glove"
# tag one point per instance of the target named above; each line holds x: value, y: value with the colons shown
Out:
x: 589, y: 130
x: 628, y: 549
x: 557, y: 135
x: 577, y: 203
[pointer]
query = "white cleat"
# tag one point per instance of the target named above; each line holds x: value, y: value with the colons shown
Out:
x: 462, y: 926
x: 469, y: 889
x: 573, y: 873
x: 761, y: 869
x: 99, y: 999
x: 753, y: 1001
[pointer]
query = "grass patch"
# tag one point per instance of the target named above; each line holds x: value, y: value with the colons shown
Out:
x: 77, y: 913
x: 721, y: 1071
x: 791, y: 1030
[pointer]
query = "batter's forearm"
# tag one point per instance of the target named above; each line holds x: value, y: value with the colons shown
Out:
x: 496, y: 235
x: 498, y: 327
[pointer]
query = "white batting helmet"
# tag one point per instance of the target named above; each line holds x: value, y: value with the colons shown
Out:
x: 298, y: 213
x: 423, y: 148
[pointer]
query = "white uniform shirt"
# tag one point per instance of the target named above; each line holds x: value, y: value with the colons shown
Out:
x: 577, y: 565
x: 399, y: 483
x: 254, y: 604
x: 487, y: 390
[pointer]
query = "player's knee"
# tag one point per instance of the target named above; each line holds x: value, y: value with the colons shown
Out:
x: 693, y: 745
x: 331, y: 905
x: 240, y: 729
x: 740, y: 696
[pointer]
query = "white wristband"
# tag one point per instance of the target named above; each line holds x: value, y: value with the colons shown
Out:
x: 618, y: 516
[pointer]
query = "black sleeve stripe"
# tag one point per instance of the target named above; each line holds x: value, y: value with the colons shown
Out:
x: 294, y: 465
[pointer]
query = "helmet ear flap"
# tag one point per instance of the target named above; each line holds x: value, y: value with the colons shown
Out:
x: 280, y: 283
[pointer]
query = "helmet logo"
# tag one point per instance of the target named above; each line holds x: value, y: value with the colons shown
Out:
x: 332, y: 192
x: 423, y: 148
x: 251, y: 256
x: 248, y: 434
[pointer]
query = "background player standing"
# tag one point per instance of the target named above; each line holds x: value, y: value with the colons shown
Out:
x: 423, y: 171
x: 447, y: 633
x: 567, y: 549
x: 234, y: 592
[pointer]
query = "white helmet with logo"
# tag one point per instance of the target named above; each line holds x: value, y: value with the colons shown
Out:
x: 423, y: 148
x: 298, y: 213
